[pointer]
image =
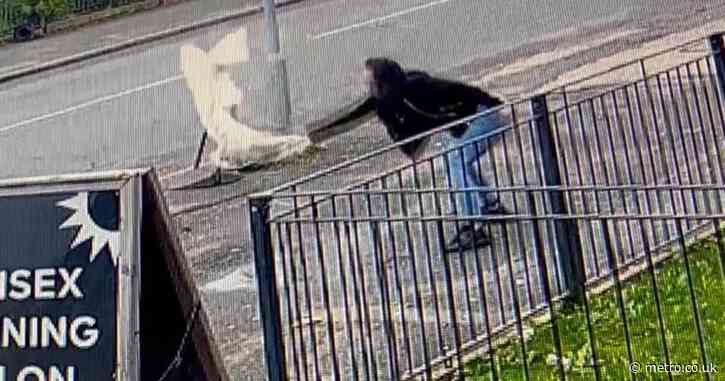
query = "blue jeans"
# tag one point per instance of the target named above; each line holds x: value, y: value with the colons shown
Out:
x: 464, y: 165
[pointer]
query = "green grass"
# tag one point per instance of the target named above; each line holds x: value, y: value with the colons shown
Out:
x: 643, y: 325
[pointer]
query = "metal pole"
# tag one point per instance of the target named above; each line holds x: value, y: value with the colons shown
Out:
x: 718, y: 54
x: 201, y: 149
x: 269, y: 307
x: 271, y: 27
x: 278, y: 81
x: 566, y: 232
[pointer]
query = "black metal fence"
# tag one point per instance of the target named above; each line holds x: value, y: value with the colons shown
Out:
x: 11, y: 14
x: 603, y: 179
x: 82, y: 6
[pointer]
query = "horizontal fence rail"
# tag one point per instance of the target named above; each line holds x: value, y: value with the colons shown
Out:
x: 601, y: 185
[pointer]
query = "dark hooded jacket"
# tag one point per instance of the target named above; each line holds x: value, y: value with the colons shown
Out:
x: 413, y: 102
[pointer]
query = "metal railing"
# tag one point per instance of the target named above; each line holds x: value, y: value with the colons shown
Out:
x: 10, y: 16
x: 354, y: 282
x: 83, y: 6
x: 380, y: 304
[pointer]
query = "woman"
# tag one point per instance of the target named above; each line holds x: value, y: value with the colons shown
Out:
x: 413, y: 102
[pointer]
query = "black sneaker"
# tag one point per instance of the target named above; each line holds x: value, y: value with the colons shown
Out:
x: 467, y: 239
x: 453, y: 244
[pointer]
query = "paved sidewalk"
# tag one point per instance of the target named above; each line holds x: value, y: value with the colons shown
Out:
x: 17, y: 56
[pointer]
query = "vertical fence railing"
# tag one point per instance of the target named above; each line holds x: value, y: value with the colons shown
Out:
x: 568, y: 247
x: 9, y: 16
x: 269, y: 306
x: 381, y: 335
x: 602, y: 183
x: 84, y: 6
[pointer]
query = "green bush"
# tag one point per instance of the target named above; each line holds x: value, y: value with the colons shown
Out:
x: 47, y: 10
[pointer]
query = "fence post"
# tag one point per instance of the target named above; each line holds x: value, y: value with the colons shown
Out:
x: 269, y: 308
x: 718, y: 55
x: 566, y: 233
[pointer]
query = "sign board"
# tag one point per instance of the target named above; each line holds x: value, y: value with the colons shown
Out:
x: 77, y: 258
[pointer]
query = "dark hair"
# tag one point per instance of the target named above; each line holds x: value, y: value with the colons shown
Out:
x: 389, y: 76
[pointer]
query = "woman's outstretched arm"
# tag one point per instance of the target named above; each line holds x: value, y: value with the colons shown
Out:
x: 356, y: 113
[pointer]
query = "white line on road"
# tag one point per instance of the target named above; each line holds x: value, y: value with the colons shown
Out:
x: 89, y: 104
x: 383, y: 18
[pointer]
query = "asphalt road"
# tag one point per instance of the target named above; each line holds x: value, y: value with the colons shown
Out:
x: 133, y: 109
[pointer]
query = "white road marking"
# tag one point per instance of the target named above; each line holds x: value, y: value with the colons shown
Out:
x: 89, y: 103
x: 378, y: 19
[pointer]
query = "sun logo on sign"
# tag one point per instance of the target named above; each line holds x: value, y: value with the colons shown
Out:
x: 105, y: 233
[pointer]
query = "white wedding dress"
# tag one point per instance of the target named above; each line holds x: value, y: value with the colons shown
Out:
x: 215, y: 95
